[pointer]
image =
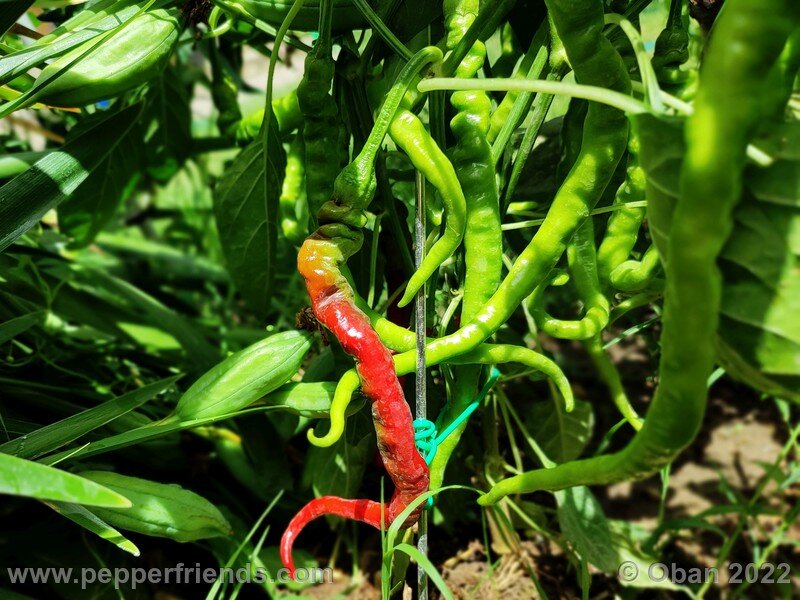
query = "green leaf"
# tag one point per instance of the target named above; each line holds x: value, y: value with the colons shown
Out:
x: 90, y: 521
x: 759, y: 333
x: 13, y: 327
x: 246, y: 212
x: 626, y: 539
x: 169, y: 121
x: 57, y: 434
x: 562, y: 436
x: 170, y: 263
x: 26, y: 198
x: 147, y: 432
x: 20, y: 477
x: 427, y: 566
x: 258, y: 464
x: 136, y: 306
x: 583, y: 523
x: 84, y: 214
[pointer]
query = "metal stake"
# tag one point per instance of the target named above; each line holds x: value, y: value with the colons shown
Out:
x: 421, y: 402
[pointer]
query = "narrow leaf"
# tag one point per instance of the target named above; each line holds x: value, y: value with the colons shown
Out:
x: 84, y: 214
x: 20, y: 477
x: 168, y: 116
x: 561, y: 435
x: 55, y: 435
x: 427, y: 566
x: 90, y: 521
x: 13, y: 327
x: 583, y: 523
x: 26, y: 198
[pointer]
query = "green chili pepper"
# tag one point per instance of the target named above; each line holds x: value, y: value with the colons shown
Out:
x: 783, y: 76
x: 610, y: 376
x: 636, y: 275
x: 623, y: 225
x: 495, y: 354
x: 224, y: 93
x: 672, y: 48
x: 748, y: 38
x: 581, y: 257
x: 483, y: 240
x: 509, y: 52
x: 581, y: 254
x: 605, y: 136
x: 321, y: 132
x: 292, y: 202
x: 287, y: 113
x: 409, y: 133
x: 129, y: 58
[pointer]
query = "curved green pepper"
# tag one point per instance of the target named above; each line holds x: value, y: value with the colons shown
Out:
x: 748, y: 37
x: 129, y: 58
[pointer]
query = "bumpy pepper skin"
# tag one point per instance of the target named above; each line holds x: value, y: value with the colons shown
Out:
x: 623, y: 226
x: 130, y: 58
x: 483, y: 241
x: 672, y: 48
x: 580, y: 27
x: 321, y: 132
x: 292, y: 202
x: 409, y: 133
x: 748, y: 38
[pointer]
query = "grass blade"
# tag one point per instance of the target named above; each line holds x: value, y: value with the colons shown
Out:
x: 20, y: 477
x: 55, y: 435
x: 90, y: 521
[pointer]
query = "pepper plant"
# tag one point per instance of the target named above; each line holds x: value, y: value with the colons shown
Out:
x: 207, y: 276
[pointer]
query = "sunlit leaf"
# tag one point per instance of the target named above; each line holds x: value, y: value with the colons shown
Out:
x: 247, y: 217
x: 26, y: 198
x: 20, y: 477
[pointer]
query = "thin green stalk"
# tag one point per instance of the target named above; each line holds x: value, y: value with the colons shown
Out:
x: 382, y: 29
x: 592, y: 93
x: 610, y: 375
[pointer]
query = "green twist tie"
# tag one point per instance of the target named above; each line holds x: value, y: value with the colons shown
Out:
x: 425, y: 434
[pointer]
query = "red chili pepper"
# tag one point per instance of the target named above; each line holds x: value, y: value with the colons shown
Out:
x: 332, y: 302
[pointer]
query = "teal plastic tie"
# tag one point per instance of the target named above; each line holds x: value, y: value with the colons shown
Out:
x: 425, y: 434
